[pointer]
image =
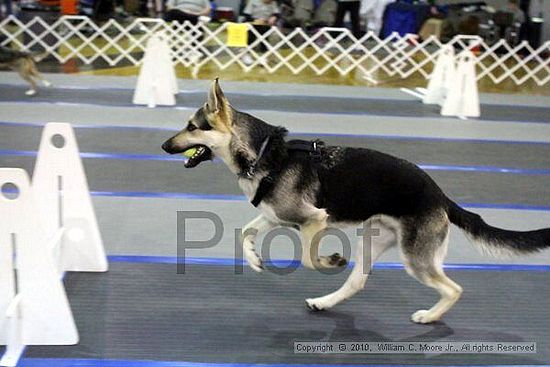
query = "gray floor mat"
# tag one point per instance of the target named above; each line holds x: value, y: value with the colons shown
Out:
x: 306, y: 104
x: 215, y: 178
x: 210, y: 314
x: 264, y: 87
x: 430, y: 127
x: 148, y: 141
x: 147, y: 226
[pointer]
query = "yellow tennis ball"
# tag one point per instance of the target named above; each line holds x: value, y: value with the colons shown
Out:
x: 189, y: 152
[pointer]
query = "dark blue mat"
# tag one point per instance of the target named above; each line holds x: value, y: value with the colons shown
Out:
x: 212, y: 315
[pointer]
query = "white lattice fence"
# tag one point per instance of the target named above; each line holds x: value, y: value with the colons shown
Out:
x: 327, y: 50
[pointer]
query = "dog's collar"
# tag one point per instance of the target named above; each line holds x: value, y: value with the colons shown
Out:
x: 251, y: 171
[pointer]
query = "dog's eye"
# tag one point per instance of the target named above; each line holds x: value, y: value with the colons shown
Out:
x: 191, y: 127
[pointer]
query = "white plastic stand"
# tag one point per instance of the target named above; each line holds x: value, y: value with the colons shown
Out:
x: 442, y: 77
x: 34, y: 309
x: 64, y: 202
x: 157, y: 83
x: 463, y: 98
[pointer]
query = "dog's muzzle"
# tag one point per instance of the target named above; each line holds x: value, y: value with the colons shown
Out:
x: 202, y: 153
x: 168, y: 147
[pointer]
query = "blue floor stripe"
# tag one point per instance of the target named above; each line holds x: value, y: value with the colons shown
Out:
x: 485, y: 169
x: 543, y: 208
x: 306, y: 134
x: 180, y: 158
x: 229, y: 197
x: 170, y: 195
x: 100, y: 155
x: 295, y: 263
x: 59, y: 362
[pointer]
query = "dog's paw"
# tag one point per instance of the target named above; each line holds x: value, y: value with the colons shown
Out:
x: 317, y: 304
x: 46, y: 83
x: 30, y: 92
x: 312, y: 306
x: 423, y: 317
x: 333, y: 261
x: 254, y: 260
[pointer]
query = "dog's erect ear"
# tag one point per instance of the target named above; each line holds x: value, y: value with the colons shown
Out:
x: 217, y: 102
x: 218, y: 106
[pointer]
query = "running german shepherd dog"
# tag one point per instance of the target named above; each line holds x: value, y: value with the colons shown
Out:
x: 314, y: 187
x: 24, y: 64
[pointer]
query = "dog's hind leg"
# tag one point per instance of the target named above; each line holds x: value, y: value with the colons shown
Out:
x: 23, y: 69
x: 369, y: 248
x: 34, y: 72
x: 423, y: 253
x: 250, y: 231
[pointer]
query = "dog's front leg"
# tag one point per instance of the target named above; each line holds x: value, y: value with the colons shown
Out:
x: 250, y: 231
x: 312, y: 233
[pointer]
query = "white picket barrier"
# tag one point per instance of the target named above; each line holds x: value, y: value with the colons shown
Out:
x: 157, y: 83
x: 61, y: 188
x: 452, y: 85
x: 463, y: 97
x: 442, y: 77
x: 49, y: 228
x: 195, y: 46
x: 34, y: 309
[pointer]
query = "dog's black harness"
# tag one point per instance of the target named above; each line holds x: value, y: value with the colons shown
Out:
x: 266, y: 184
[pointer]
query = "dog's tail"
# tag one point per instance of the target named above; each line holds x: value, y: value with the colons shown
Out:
x: 497, y: 241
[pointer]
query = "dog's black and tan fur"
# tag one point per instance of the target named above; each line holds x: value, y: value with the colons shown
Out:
x: 347, y: 186
x: 24, y: 64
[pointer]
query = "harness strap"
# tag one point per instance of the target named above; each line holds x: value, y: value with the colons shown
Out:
x: 266, y: 184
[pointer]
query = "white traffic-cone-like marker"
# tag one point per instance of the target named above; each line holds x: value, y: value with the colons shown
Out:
x: 442, y: 77
x: 63, y: 200
x: 34, y: 309
x: 463, y: 97
x: 157, y: 83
